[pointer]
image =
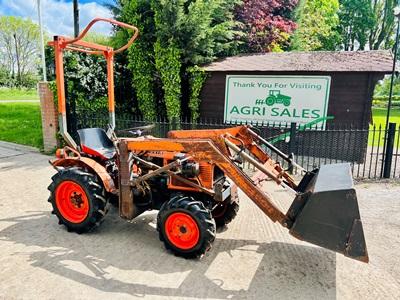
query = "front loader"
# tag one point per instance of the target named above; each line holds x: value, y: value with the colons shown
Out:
x: 191, y: 177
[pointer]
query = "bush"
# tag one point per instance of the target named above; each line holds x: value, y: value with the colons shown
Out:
x: 382, y: 101
x: 86, y: 86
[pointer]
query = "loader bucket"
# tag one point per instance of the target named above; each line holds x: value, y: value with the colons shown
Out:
x: 325, y: 212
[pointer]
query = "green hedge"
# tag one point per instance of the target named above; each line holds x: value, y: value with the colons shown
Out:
x: 380, y: 101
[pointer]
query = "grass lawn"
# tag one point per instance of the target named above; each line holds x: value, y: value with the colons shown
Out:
x: 18, y: 94
x: 379, y: 117
x: 21, y: 123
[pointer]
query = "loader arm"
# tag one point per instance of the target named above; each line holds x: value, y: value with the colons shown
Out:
x: 207, y: 150
x: 247, y: 141
x: 325, y: 208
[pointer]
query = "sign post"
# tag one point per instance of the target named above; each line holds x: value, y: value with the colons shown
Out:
x: 276, y: 99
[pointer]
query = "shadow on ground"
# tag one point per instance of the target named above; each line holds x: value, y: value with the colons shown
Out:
x: 122, y: 257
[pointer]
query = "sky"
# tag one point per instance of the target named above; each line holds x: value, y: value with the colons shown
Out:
x: 57, y: 15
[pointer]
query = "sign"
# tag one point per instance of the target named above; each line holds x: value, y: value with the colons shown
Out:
x: 285, y: 99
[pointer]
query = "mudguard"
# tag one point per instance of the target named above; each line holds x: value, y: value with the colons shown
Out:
x: 92, y: 165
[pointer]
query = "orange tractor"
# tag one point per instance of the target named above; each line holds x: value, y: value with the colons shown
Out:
x: 191, y: 177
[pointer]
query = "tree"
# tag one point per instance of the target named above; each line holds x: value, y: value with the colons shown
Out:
x: 356, y: 21
x: 381, y: 35
x: 141, y: 54
x: 19, y: 44
x: 383, y: 87
x: 317, y: 21
x: 267, y: 24
x: 174, y: 35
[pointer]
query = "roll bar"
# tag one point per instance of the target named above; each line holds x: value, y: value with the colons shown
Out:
x: 61, y: 43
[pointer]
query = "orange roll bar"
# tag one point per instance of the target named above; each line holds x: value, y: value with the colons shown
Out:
x: 61, y: 43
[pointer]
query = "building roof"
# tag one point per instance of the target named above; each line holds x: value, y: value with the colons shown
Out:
x: 317, y: 61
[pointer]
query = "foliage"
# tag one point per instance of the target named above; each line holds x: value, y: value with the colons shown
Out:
x: 53, y: 88
x: 197, y: 76
x: 98, y: 38
x: 140, y: 55
x: 21, y: 123
x: 366, y: 24
x: 4, y: 76
x: 356, y: 21
x: 19, y: 50
x: 142, y: 78
x: 168, y: 65
x: 317, y: 21
x: 168, y: 14
x: 383, y: 102
x: 381, y: 35
x: 174, y: 35
x: 267, y: 24
x: 206, y: 31
x: 382, y: 89
x: 85, y: 79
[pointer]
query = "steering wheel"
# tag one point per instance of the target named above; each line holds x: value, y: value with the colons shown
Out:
x: 138, y: 131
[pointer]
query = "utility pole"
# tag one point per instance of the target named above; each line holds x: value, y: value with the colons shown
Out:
x: 42, y: 42
x: 76, y: 18
x: 396, y: 12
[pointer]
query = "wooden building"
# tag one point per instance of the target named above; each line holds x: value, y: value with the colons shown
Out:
x: 353, y: 79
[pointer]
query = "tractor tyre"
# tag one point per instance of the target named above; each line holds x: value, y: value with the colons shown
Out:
x: 270, y: 101
x: 226, y: 211
x: 186, y: 227
x: 113, y: 199
x: 78, y: 199
x: 286, y: 102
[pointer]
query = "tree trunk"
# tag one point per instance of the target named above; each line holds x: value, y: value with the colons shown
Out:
x: 18, y: 61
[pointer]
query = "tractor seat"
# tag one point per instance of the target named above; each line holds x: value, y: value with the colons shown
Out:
x: 95, y: 142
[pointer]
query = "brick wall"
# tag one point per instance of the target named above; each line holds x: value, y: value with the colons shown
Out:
x: 49, y: 117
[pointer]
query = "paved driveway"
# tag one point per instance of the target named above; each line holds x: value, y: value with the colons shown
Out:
x: 253, y: 258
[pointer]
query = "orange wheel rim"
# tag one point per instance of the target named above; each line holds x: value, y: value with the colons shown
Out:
x: 182, y: 230
x: 72, y: 201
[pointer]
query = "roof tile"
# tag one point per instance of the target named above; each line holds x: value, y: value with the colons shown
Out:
x: 323, y: 61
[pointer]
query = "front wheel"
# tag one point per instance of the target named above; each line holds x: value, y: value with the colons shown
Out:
x: 225, y: 212
x: 186, y: 227
x: 78, y: 199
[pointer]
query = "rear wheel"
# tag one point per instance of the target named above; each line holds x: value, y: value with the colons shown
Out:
x: 286, y: 102
x: 186, y: 227
x: 78, y: 199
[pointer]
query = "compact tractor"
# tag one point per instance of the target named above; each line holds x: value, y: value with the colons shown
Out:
x: 191, y: 177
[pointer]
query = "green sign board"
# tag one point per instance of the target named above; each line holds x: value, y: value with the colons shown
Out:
x: 285, y: 99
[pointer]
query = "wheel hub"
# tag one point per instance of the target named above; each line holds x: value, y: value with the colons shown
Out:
x: 76, y: 199
x: 182, y: 230
x: 71, y: 201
